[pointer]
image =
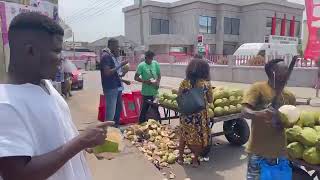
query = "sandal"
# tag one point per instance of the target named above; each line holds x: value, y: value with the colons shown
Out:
x: 195, y: 163
x: 180, y: 160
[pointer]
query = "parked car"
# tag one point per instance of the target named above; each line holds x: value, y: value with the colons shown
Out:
x: 75, y: 74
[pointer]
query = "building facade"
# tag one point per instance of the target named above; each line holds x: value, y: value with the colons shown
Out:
x: 11, y: 8
x: 224, y: 24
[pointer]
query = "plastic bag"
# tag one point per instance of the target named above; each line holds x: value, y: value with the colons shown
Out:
x: 280, y: 171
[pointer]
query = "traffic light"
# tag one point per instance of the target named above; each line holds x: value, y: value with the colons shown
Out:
x: 200, y: 40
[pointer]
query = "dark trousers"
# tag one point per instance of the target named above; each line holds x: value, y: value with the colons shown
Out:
x: 145, y: 108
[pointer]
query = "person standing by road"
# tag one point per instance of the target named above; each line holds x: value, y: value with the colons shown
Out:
x: 111, y: 74
x: 266, y: 141
x: 148, y: 73
x: 194, y: 128
x: 38, y: 139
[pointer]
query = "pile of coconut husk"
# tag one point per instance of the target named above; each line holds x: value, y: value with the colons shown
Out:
x: 157, y: 142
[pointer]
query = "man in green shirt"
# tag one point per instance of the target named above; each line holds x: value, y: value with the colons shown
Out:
x: 148, y: 73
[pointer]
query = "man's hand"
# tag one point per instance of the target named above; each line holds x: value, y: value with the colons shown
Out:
x: 265, y: 115
x: 125, y: 71
x: 126, y: 82
x: 123, y: 63
x: 95, y: 135
x: 155, y: 84
x: 147, y: 82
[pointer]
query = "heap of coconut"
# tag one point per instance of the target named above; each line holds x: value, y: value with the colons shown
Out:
x: 157, y: 142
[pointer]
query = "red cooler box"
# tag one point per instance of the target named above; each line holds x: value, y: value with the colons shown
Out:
x: 129, y: 114
x: 138, y: 100
x: 102, y: 108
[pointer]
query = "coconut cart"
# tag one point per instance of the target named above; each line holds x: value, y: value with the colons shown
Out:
x: 235, y: 128
x: 305, y: 170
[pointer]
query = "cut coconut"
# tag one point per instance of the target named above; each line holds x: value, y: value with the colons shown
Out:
x: 290, y: 115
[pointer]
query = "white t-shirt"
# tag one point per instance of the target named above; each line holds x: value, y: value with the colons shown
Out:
x: 35, y: 121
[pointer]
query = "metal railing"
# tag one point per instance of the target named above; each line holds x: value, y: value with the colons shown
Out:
x: 222, y: 60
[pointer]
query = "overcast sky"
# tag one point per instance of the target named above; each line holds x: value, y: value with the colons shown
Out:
x: 94, y: 19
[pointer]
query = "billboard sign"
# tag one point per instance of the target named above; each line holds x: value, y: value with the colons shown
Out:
x: 8, y: 10
x: 312, y: 50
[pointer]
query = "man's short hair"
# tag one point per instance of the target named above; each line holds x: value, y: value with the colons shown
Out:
x: 149, y: 54
x: 111, y: 41
x: 34, y: 21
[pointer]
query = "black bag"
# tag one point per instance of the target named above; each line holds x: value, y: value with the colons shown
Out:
x: 191, y: 101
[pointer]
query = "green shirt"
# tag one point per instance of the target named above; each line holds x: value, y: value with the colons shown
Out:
x: 148, y: 72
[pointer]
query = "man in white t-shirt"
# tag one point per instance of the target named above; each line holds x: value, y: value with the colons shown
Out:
x: 38, y: 139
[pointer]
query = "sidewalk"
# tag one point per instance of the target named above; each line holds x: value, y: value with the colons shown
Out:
x: 173, y: 82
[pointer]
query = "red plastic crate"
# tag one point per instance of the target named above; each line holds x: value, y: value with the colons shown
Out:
x: 101, y: 113
x: 138, y: 99
x: 102, y: 108
x: 129, y: 114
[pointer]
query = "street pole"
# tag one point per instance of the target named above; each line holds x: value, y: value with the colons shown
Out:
x: 141, y: 23
x: 74, y: 47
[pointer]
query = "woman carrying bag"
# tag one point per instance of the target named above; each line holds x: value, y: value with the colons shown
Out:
x: 194, y: 120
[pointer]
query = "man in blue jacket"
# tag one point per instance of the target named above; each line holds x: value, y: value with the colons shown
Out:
x: 111, y: 74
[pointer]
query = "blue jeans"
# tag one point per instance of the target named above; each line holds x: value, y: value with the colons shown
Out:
x: 253, y: 172
x: 113, y: 105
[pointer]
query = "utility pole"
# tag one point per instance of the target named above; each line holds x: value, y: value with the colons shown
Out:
x: 74, y: 47
x: 141, y: 23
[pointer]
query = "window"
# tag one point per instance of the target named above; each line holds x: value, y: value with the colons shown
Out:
x: 159, y: 26
x: 269, y: 26
x: 231, y: 26
x: 269, y: 22
x: 235, y: 26
x: 227, y: 26
x: 212, y: 48
x: 229, y: 49
x: 207, y: 25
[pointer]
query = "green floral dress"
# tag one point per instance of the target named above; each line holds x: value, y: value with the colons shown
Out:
x: 195, y: 128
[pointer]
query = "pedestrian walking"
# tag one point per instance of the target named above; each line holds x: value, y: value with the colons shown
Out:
x: 194, y: 128
x: 38, y: 137
x: 86, y: 63
x: 148, y: 73
x: 267, y: 143
x: 111, y: 74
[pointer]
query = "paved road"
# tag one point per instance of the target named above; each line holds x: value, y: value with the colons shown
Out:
x: 226, y: 161
x: 132, y: 165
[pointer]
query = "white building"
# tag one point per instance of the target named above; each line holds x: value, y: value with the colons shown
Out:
x: 225, y: 24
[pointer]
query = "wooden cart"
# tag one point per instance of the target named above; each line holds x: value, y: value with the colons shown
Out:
x: 235, y: 128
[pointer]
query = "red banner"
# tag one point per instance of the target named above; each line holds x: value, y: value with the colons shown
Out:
x: 313, y: 21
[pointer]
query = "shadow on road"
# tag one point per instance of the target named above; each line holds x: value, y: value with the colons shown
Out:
x: 225, y: 161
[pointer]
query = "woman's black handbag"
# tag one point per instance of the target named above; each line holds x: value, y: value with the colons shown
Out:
x: 191, y: 101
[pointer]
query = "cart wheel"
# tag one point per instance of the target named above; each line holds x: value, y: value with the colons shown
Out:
x: 299, y: 174
x: 236, y: 131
